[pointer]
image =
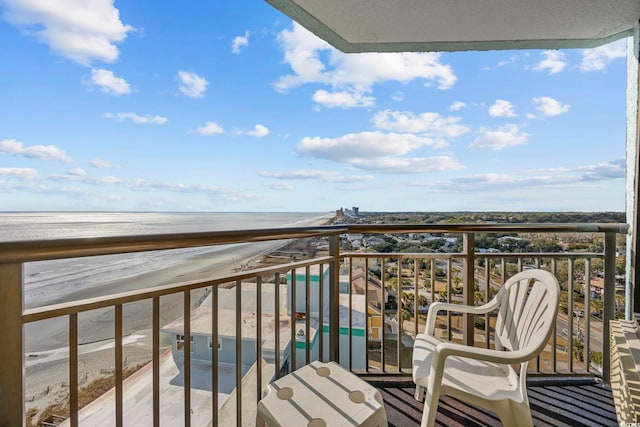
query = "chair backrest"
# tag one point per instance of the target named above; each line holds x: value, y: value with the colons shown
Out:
x: 528, y: 305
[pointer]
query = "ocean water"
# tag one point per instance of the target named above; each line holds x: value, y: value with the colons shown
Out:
x: 46, y: 282
x: 58, y: 225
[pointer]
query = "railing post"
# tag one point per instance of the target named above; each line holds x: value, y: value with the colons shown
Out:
x: 334, y: 298
x: 468, y: 280
x: 609, y: 308
x: 12, y: 348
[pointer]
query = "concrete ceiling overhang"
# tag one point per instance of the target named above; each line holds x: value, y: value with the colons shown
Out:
x: 455, y: 25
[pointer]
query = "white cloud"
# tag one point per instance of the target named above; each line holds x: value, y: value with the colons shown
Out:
x: 377, y: 151
x: 610, y: 170
x: 361, y: 145
x: 259, y: 131
x: 100, y: 164
x: 26, y: 174
x: 497, y: 139
x: 344, y: 99
x: 544, y: 178
x: 402, y: 165
x: 550, y: 107
x: 497, y: 181
x: 511, y: 60
x: 80, y: 30
x: 41, y: 152
x: 457, y: 106
x: 398, y: 96
x: 136, y: 118
x: 598, y: 58
x: 502, y: 108
x: 354, y: 73
x: 317, y: 175
x: 239, y: 42
x: 425, y: 124
x: 78, y: 172
x: 504, y: 62
x: 192, y: 85
x: 210, y: 128
x: 554, y: 62
x: 80, y: 176
x: 108, y: 180
x: 282, y: 186
x: 109, y: 83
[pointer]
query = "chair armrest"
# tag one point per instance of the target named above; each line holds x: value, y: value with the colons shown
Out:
x: 435, y: 307
x: 447, y: 349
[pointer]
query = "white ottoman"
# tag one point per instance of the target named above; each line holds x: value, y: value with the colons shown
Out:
x: 321, y: 394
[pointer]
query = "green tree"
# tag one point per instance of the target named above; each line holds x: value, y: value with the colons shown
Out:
x: 578, y: 350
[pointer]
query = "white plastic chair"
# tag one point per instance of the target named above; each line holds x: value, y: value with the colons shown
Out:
x: 527, y: 306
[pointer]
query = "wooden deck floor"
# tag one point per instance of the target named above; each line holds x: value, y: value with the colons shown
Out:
x: 554, y: 402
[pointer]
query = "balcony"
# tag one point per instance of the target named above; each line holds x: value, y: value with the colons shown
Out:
x: 254, y: 325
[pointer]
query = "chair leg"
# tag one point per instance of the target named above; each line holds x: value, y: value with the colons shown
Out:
x: 419, y: 394
x: 516, y: 414
x: 430, y: 407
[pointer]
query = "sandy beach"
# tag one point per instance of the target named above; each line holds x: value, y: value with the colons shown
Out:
x: 46, y: 358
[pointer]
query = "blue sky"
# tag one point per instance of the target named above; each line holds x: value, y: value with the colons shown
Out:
x: 226, y: 106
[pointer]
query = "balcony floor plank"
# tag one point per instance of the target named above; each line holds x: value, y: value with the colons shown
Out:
x: 554, y: 404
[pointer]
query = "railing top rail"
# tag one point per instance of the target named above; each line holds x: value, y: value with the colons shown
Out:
x: 41, y: 250
x: 618, y: 228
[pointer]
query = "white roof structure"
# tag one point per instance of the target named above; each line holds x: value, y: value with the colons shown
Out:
x: 447, y: 25
x: 358, y: 311
x: 201, y: 317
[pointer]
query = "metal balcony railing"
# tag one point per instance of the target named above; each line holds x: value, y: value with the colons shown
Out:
x: 326, y: 314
